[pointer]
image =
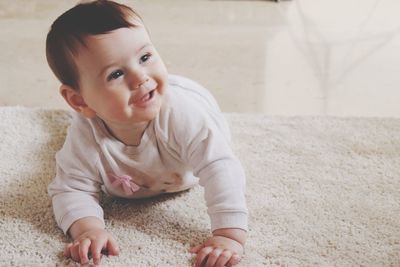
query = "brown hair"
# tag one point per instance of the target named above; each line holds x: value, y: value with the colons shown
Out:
x: 68, y: 32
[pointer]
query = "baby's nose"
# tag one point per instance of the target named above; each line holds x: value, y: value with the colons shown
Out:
x: 137, y: 82
x: 142, y: 82
x: 149, y: 85
x: 137, y: 77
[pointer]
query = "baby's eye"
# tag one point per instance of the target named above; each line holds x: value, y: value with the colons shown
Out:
x: 144, y: 58
x: 114, y: 75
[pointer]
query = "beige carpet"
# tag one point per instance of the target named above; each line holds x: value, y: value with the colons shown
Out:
x: 321, y: 192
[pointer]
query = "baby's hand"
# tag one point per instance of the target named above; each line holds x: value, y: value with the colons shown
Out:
x: 91, y: 244
x: 218, y: 251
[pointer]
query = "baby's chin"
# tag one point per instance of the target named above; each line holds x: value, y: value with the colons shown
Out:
x: 151, y: 112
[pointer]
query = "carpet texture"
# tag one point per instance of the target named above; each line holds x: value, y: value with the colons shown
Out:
x: 321, y: 192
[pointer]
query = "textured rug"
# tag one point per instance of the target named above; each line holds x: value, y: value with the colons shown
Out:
x: 321, y: 192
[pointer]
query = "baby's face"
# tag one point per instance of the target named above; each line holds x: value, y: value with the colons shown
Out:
x: 121, y: 76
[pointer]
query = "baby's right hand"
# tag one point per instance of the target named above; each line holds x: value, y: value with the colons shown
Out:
x: 93, y: 242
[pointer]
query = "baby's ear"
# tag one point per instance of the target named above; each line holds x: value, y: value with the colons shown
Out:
x: 76, y: 101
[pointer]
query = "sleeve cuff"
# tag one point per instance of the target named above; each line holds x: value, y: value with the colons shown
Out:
x: 229, y: 220
x: 69, y: 218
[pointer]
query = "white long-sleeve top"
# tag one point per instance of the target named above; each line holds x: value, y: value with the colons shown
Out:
x: 187, y: 143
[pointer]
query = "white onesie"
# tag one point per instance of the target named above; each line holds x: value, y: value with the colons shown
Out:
x: 187, y: 143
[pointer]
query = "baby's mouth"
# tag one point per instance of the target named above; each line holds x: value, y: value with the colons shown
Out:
x: 147, y: 96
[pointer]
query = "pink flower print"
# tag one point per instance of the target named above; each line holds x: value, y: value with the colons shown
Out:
x: 126, y: 181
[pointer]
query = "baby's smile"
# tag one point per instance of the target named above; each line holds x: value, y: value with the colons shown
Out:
x: 145, y: 95
x: 148, y: 96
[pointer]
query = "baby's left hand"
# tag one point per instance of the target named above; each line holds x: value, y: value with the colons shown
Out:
x: 218, y: 251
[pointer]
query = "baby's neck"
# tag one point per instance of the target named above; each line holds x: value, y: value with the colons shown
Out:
x: 129, y: 135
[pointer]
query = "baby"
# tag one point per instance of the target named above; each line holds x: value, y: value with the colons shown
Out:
x: 137, y: 132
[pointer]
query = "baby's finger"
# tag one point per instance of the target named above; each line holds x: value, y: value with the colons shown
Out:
x: 213, y: 257
x: 235, y: 259
x: 196, y: 249
x: 112, y: 247
x: 223, y: 258
x: 95, y: 250
x: 202, y: 255
x: 67, y: 250
x: 84, y: 249
x: 74, y: 250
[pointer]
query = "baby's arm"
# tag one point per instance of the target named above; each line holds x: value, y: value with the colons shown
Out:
x: 75, y: 193
x: 90, y: 238
x: 224, y: 248
x: 223, y: 179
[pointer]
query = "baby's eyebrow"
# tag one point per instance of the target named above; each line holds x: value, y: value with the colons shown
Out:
x: 113, y: 63
x: 143, y: 47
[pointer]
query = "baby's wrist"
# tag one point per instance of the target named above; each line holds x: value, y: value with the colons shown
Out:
x: 84, y: 225
x: 235, y: 234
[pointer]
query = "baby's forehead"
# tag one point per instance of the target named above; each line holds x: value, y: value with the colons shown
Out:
x: 133, y: 36
x: 114, y: 45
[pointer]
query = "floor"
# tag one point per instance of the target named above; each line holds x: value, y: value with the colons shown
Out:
x: 298, y: 57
